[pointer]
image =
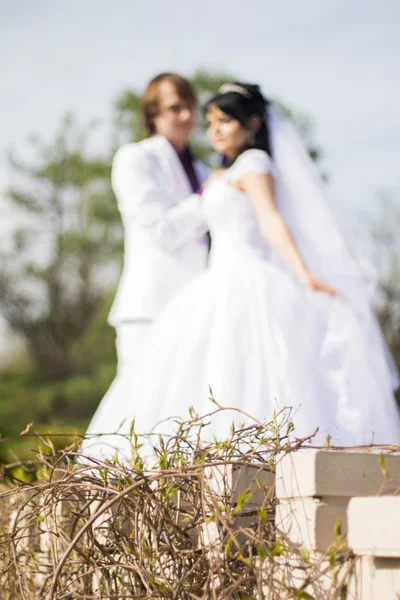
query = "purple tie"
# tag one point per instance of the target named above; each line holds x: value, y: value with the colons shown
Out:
x: 186, y: 158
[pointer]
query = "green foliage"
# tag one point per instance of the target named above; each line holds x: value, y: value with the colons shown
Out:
x: 207, y: 83
x: 127, y: 121
x: 57, y: 404
x: 50, y: 280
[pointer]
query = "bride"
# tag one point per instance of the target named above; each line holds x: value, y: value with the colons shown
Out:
x: 260, y: 326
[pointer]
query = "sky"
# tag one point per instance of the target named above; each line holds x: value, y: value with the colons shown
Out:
x: 337, y: 62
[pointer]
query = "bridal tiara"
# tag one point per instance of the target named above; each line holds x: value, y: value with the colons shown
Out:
x: 234, y: 87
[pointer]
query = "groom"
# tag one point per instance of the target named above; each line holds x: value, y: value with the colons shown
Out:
x: 157, y: 184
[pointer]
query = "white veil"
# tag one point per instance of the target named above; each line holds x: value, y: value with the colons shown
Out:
x: 304, y: 203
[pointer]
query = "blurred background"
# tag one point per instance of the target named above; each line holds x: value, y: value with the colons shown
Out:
x: 71, y: 76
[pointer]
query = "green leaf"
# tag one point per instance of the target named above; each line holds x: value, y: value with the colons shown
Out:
x: 243, y: 498
x: 338, y: 529
x: 305, y: 556
x: 382, y: 462
x: 262, y: 515
x: 302, y: 595
x: 332, y: 559
x: 261, y: 553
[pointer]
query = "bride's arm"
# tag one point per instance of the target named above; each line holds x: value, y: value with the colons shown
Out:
x: 260, y: 189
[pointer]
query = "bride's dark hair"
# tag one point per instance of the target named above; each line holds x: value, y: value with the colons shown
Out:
x: 241, y: 101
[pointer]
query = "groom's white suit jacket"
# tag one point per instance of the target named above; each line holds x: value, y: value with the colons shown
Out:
x: 165, y: 242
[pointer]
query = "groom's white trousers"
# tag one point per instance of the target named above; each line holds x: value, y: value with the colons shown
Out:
x: 131, y: 339
x: 116, y: 409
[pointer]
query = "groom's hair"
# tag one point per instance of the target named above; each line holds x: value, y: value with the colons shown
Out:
x: 149, y: 105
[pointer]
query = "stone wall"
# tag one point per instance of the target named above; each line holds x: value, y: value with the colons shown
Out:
x: 328, y: 498
x: 328, y: 502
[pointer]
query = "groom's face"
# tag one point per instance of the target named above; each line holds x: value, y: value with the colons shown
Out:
x: 176, y: 116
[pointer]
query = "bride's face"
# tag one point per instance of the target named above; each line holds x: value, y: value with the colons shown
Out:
x: 227, y: 135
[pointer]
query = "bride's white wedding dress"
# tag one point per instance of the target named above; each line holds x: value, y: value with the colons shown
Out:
x: 260, y: 340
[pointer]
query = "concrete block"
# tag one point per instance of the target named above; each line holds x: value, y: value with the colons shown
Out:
x: 375, y: 579
x: 374, y: 526
x: 228, y: 482
x: 317, y: 578
x: 342, y: 473
x: 310, y: 523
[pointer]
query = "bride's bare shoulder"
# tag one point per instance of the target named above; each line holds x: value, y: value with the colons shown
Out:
x: 214, y: 176
x: 217, y: 173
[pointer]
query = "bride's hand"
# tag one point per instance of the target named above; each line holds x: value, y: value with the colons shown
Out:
x: 316, y: 285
